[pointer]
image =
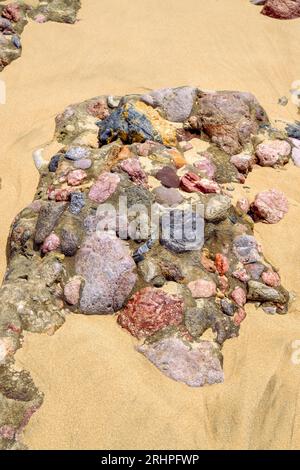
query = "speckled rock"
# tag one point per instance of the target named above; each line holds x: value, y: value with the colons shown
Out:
x: 282, y: 9
x: 182, y: 231
x: 47, y: 220
x: 202, y: 288
x: 242, y: 162
x: 167, y: 196
x: 208, y: 315
x: 239, y: 296
x: 273, y: 152
x: 149, y: 310
x: 72, y: 291
x: 246, y: 249
x: 104, y: 187
x: 136, y: 122
x: 270, y: 206
x: 190, y: 182
x: 77, y: 202
x: 228, y: 118
x: 107, y: 268
x: 133, y: 168
x: 206, y: 166
x: 194, y: 364
x: 260, y: 292
x: 217, y: 208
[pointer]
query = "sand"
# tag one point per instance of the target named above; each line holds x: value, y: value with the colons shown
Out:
x: 99, y: 392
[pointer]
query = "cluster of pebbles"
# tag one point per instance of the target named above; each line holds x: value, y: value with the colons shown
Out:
x: 180, y: 299
x: 14, y: 17
x: 280, y: 9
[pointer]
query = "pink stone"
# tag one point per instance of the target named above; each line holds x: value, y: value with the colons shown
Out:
x: 222, y: 263
x: 239, y: 316
x: 206, y: 166
x: 243, y: 204
x: 241, y: 275
x: 271, y: 152
x: 51, y: 243
x: 104, y: 187
x: 223, y: 283
x: 83, y: 163
x: 239, y: 296
x: 191, y: 182
x: 133, y: 168
x: 271, y: 278
x: 270, y: 206
x: 243, y: 162
x: 75, y: 177
x: 202, y: 288
x: 7, y: 432
x: 72, y: 291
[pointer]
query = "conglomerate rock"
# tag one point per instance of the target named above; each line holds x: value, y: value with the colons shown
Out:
x: 129, y: 219
x: 13, y: 19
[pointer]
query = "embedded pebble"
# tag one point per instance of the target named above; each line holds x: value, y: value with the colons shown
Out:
x: 194, y: 364
x: 77, y: 202
x: 51, y: 243
x: 77, y: 153
x: 167, y: 196
x: 83, y: 164
x: 217, y: 208
x: 270, y: 206
x: 222, y: 263
x: 239, y: 296
x: 72, y: 291
x: 271, y: 152
x: 271, y: 278
x: 168, y: 177
x: 104, y: 187
x: 75, y: 177
x: 200, y: 288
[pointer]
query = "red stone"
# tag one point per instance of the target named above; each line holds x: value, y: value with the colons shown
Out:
x: 239, y: 296
x: 222, y: 264
x: 149, y: 310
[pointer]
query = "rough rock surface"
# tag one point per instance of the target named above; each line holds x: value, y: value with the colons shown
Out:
x: 149, y: 311
x: 270, y: 206
x: 282, y: 9
x: 193, y: 364
x: 174, y: 283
